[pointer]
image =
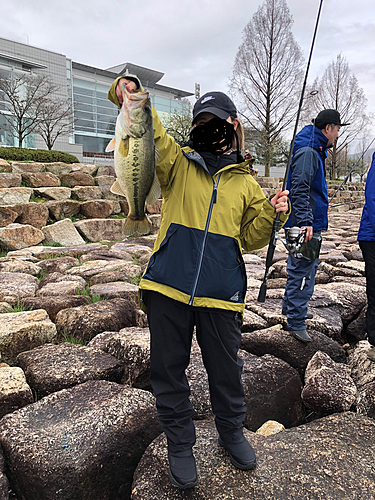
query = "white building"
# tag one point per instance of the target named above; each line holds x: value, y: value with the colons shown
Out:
x: 87, y: 87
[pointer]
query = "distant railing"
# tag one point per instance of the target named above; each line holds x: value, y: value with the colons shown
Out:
x: 97, y: 158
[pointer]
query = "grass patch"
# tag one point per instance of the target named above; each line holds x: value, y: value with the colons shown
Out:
x: 55, y: 244
x: 19, y: 307
x: 3, y: 253
x: 135, y: 280
x: 91, y: 299
x: 72, y: 339
x: 37, y: 199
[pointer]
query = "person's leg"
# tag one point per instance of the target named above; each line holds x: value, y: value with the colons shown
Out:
x: 219, y: 336
x: 171, y: 328
x: 298, y: 291
x: 368, y: 252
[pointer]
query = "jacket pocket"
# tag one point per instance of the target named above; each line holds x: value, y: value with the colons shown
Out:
x: 223, y: 273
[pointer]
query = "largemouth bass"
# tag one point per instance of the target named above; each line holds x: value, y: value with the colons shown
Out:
x: 135, y: 156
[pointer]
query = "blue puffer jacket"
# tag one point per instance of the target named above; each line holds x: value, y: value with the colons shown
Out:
x: 367, y: 227
x: 306, y: 180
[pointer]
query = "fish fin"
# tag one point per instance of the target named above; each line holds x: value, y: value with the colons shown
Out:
x: 124, y: 147
x: 116, y: 188
x: 154, y: 193
x: 140, y: 226
x: 111, y: 145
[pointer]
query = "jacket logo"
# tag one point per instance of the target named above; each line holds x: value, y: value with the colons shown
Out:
x: 235, y: 297
x: 207, y: 99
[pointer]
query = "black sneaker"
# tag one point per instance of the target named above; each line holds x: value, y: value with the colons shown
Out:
x: 182, y: 469
x: 241, y: 454
x: 301, y: 335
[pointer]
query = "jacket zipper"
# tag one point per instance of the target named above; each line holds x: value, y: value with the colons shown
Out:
x: 204, y: 240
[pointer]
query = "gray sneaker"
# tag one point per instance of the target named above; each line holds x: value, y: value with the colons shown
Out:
x: 371, y: 354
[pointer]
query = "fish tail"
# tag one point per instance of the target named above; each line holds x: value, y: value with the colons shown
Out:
x: 140, y: 226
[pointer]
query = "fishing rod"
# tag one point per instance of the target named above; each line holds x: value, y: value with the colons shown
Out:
x: 347, y: 203
x: 352, y: 170
x: 276, y: 224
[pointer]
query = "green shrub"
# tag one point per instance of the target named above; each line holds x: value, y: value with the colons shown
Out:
x: 38, y: 155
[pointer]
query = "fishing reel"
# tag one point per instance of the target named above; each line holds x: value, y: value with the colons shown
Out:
x: 294, y: 238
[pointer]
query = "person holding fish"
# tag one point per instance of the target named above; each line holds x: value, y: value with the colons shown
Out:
x: 212, y: 209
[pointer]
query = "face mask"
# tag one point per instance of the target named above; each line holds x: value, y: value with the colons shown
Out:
x: 214, y: 136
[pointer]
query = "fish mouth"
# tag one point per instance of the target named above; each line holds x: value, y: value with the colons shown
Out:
x: 134, y: 96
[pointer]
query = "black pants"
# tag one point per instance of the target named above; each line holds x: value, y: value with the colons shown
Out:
x: 368, y: 252
x: 218, y: 334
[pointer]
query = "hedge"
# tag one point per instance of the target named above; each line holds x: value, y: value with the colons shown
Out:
x: 38, y: 155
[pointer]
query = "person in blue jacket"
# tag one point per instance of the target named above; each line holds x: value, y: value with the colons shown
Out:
x: 366, y: 239
x: 309, y: 197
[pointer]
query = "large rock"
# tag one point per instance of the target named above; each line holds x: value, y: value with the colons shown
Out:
x: 96, y: 209
x: 41, y: 179
x: 331, y: 459
x: 85, y: 193
x: 58, y: 264
x: 20, y: 266
x: 346, y: 298
x: 328, y: 385
x: 4, y: 485
x: 8, y: 180
x: 15, y: 196
x: 34, y: 214
x: 50, y: 368
x: 61, y: 287
x: 92, y: 267
x: 15, y: 393
x: 84, y: 322
x: 16, y: 286
x: 132, y: 347
x: 79, y: 443
x: 366, y: 400
x: 76, y: 179
x: 53, y: 193
x: 281, y: 344
x: 8, y: 215
x: 21, y: 168
x: 18, y: 236
x: 272, y: 391
x: 62, y: 232
x: 23, y: 331
x: 62, y: 209
x: 116, y: 289
x: 362, y: 369
x: 101, y: 229
x: 53, y: 304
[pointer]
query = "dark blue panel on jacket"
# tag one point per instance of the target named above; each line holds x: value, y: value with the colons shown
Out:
x: 222, y: 274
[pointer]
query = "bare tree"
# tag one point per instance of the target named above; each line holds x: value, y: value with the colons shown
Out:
x: 23, y: 97
x: 56, y: 118
x: 267, y: 75
x: 178, y: 123
x: 338, y: 89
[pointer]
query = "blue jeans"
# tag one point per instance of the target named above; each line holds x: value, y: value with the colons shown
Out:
x: 298, y: 291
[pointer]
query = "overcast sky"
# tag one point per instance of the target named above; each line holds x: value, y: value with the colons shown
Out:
x: 189, y: 40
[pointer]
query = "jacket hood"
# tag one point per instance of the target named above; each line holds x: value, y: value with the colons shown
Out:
x: 112, y: 96
x: 312, y: 137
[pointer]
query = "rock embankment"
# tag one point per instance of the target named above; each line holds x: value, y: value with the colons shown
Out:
x: 78, y: 418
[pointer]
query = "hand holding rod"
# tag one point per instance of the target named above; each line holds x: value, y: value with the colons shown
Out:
x: 276, y: 224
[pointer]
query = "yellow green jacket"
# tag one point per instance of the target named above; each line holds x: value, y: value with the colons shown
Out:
x: 205, y: 223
